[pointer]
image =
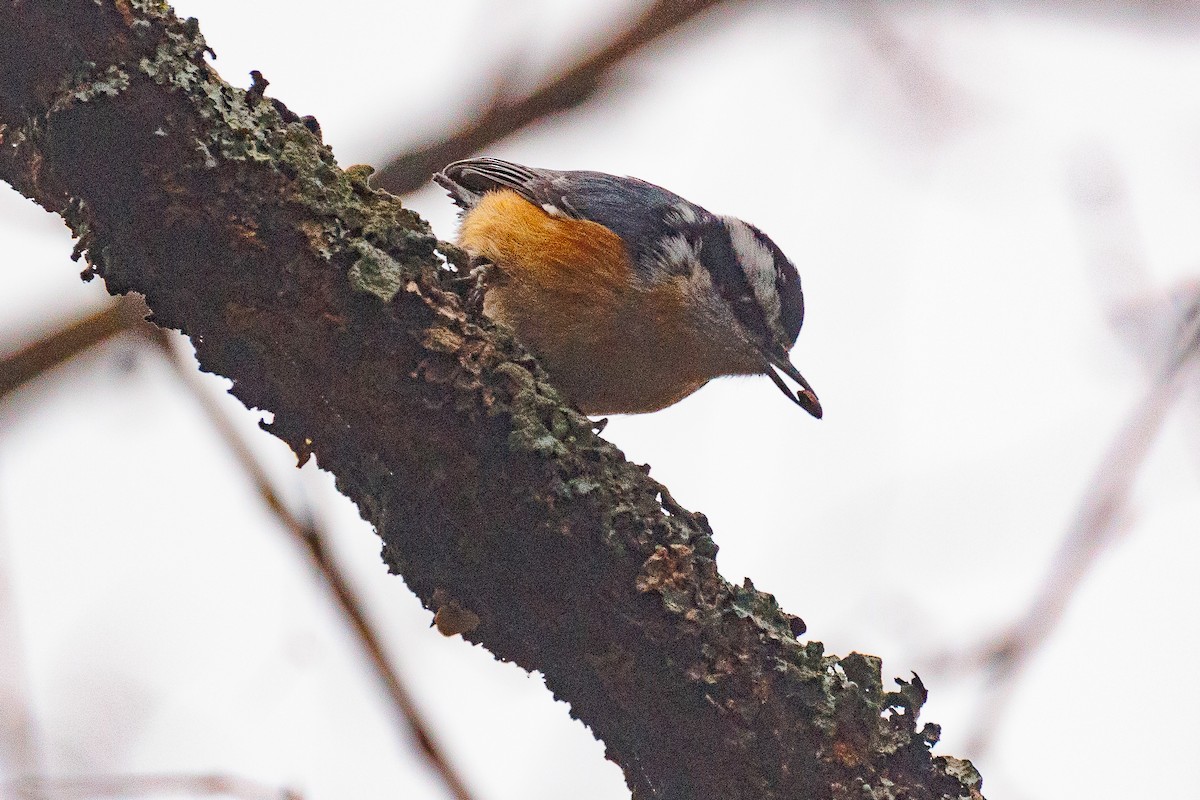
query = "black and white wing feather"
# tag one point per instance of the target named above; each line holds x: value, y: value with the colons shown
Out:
x: 470, y: 179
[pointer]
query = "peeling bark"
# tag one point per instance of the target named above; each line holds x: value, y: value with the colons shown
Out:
x: 326, y: 303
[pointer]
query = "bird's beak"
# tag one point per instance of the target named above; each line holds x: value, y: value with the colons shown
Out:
x: 806, y: 398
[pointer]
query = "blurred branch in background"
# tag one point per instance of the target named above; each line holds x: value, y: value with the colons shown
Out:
x: 1114, y: 255
x: 19, y: 741
x: 1096, y: 526
x: 121, y: 316
x: 1144, y: 319
x: 1149, y: 326
x: 143, y: 785
x: 127, y: 315
x: 510, y: 110
x: 306, y: 532
x: 907, y: 81
x: 932, y: 96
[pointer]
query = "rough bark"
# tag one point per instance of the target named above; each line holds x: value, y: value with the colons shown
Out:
x: 327, y: 303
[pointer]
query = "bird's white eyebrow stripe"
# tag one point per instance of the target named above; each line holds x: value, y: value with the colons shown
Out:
x: 758, y: 263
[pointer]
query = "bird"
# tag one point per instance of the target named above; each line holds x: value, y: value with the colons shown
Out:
x: 631, y: 297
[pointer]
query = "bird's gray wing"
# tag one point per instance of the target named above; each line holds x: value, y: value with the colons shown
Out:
x: 640, y: 213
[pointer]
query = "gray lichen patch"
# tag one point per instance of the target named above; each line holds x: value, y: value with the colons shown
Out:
x: 114, y: 81
x: 375, y: 272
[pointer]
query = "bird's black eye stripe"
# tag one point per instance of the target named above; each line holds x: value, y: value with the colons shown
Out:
x: 717, y: 255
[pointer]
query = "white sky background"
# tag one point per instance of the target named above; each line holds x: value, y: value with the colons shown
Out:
x: 922, y: 165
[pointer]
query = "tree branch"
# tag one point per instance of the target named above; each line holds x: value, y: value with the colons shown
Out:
x: 324, y: 302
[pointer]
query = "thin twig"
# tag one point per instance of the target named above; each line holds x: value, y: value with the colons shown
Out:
x: 1094, y: 528
x: 119, y: 316
x: 569, y: 88
x: 138, y: 785
x: 304, y: 529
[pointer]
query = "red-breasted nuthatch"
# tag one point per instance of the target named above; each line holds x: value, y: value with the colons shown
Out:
x: 631, y: 297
